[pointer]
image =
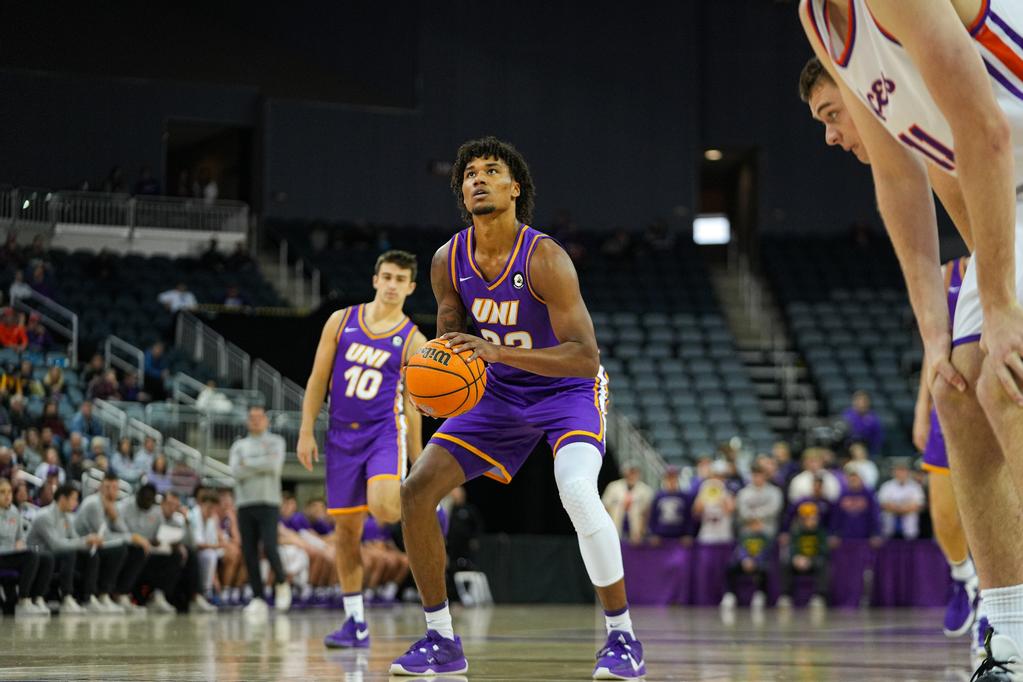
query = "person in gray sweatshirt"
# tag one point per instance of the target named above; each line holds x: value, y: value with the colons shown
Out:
x: 161, y: 569
x: 123, y: 554
x: 35, y: 568
x: 53, y: 529
x: 256, y: 463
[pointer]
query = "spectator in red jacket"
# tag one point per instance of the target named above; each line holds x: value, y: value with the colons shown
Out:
x: 12, y: 331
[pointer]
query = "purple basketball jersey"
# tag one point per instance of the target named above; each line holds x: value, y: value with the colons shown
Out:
x: 365, y: 385
x: 506, y: 310
x: 935, y: 454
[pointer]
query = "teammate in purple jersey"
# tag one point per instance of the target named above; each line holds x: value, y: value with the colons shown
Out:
x: 545, y: 381
x: 819, y: 91
x: 373, y: 429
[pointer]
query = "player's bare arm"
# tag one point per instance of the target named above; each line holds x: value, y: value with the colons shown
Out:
x: 554, y: 277
x: 904, y: 199
x: 450, y: 311
x: 932, y: 33
x: 316, y: 390
x: 412, y: 416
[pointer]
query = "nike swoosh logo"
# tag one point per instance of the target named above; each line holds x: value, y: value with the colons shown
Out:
x: 361, y: 634
x: 462, y: 279
x: 635, y: 665
x: 349, y: 329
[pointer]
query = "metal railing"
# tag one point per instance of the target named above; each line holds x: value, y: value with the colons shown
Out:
x: 269, y: 382
x: 120, y: 354
x: 288, y: 423
x: 46, y: 206
x: 138, y: 431
x: 232, y: 365
x: 237, y: 365
x: 292, y: 395
x: 211, y: 472
x: 112, y: 419
x: 631, y: 447
x: 302, y: 280
x: 55, y: 317
x: 188, y: 391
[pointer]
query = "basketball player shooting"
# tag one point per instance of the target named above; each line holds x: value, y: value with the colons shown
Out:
x: 939, y: 83
x: 819, y: 91
x: 373, y: 430
x: 545, y: 381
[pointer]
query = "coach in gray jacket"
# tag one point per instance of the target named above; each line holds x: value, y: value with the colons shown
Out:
x: 256, y: 463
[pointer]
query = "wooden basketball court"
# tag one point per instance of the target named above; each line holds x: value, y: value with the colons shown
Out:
x: 535, y: 643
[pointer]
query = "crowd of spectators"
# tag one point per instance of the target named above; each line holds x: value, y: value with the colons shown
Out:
x: 771, y: 509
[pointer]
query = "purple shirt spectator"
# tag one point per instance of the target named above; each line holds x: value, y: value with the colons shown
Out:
x: 864, y: 424
x: 856, y: 515
x: 670, y: 515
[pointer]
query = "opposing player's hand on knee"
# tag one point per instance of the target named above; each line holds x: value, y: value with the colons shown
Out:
x: 307, y: 451
x: 1002, y: 340
x: 938, y: 365
x: 484, y: 350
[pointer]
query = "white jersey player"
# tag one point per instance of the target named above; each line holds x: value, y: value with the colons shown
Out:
x: 935, y: 88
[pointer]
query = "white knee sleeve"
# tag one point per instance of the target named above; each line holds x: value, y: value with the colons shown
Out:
x: 575, y: 469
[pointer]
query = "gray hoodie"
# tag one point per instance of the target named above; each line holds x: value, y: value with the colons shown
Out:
x: 11, y: 529
x: 256, y: 463
x: 54, y: 530
x: 91, y: 517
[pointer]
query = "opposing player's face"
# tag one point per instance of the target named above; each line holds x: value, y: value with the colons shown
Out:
x: 393, y: 284
x: 488, y: 187
x: 826, y: 106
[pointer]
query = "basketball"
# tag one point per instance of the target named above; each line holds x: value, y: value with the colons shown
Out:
x: 444, y: 384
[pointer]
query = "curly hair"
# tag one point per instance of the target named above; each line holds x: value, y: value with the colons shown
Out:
x: 491, y: 147
x: 812, y: 75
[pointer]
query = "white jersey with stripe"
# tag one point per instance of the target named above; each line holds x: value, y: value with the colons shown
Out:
x: 875, y: 66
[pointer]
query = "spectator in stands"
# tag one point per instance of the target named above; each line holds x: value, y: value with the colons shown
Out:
x: 126, y: 465
x: 74, y: 443
x: 85, y: 423
x: 162, y: 569
x: 53, y: 530
x: 859, y: 459
x: 857, y: 514
x: 818, y: 498
x: 20, y: 421
x: 863, y: 423
x: 184, y: 185
x: 239, y: 258
x: 761, y: 500
x: 114, y: 182
x: 30, y: 386
x: 670, y: 511
x: 8, y: 463
x: 123, y: 553
x: 205, y: 186
x: 19, y: 288
x: 53, y: 383
x: 628, y: 500
x: 77, y: 466
x: 146, y: 455
x: 157, y: 371
x: 807, y: 555
x: 159, y: 474
x: 901, y: 500
x: 95, y: 367
x: 787, y: 469
x: 129, y: 388
x: 212, y: 400
x: 12, y: 331
x: 233, y: 298
x: 233, y: 571
x: 39, y: 339
x: 704, y: 464
x: 750, y: 558
x: 34, y: 567
x: 465, y: 525
x: 256, y: 463
x: 40, y: 281
x: 714, y: 507
x: 103, y: 386
x: 26, y: 459
x: 813, y: 467
x: 178, y: 298
x: 51, y: 464
x: 211, y: 258
x: 147, y: 185
x: 33, y: 450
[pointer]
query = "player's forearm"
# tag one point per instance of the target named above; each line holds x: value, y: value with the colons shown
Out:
x: 312, y: 402
x: 415, y: 432
x: 908, y: 212
x: 567, y: 359
x: 986, y: 176
x: 450, y: 318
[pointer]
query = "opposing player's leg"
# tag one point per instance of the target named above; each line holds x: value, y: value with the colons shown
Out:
x: 990, y: 509
x: 435, y: 474
x: 348, y: 559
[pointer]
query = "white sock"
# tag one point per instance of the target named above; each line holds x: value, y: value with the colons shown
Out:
x: 353, y: 607
x: 1003, y: 607
x: 963, y: 571
x: 439, y: 618
x: 388, y: 591
x: 619, y: 620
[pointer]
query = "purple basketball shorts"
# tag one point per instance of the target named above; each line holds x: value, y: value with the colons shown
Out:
x: 935, y: 454
x: 359, y: 452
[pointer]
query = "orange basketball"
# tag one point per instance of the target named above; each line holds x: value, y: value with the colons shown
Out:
x: 441, y: 383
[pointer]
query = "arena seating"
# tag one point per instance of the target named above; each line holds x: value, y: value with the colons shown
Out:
x: 849, y: 316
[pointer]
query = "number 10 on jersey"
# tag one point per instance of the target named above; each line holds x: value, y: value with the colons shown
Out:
x: 363, y: 382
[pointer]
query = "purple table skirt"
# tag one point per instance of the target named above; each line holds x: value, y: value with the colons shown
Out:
x: 904, y: 573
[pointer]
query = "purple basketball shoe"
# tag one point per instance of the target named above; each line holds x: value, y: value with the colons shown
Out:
x: 962, y: 608
x: 432, y: 655
x: 620, y: 659
x: 352, y: 635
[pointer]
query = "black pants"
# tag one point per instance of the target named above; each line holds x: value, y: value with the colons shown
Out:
x: 134, y: 563
x: 161, y: 572
x: 258, y: 523
x: 735, y: 570
x: 111, y: 560
x: 83, y: 564
x: 35, y: 569
x: 818, y: 569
